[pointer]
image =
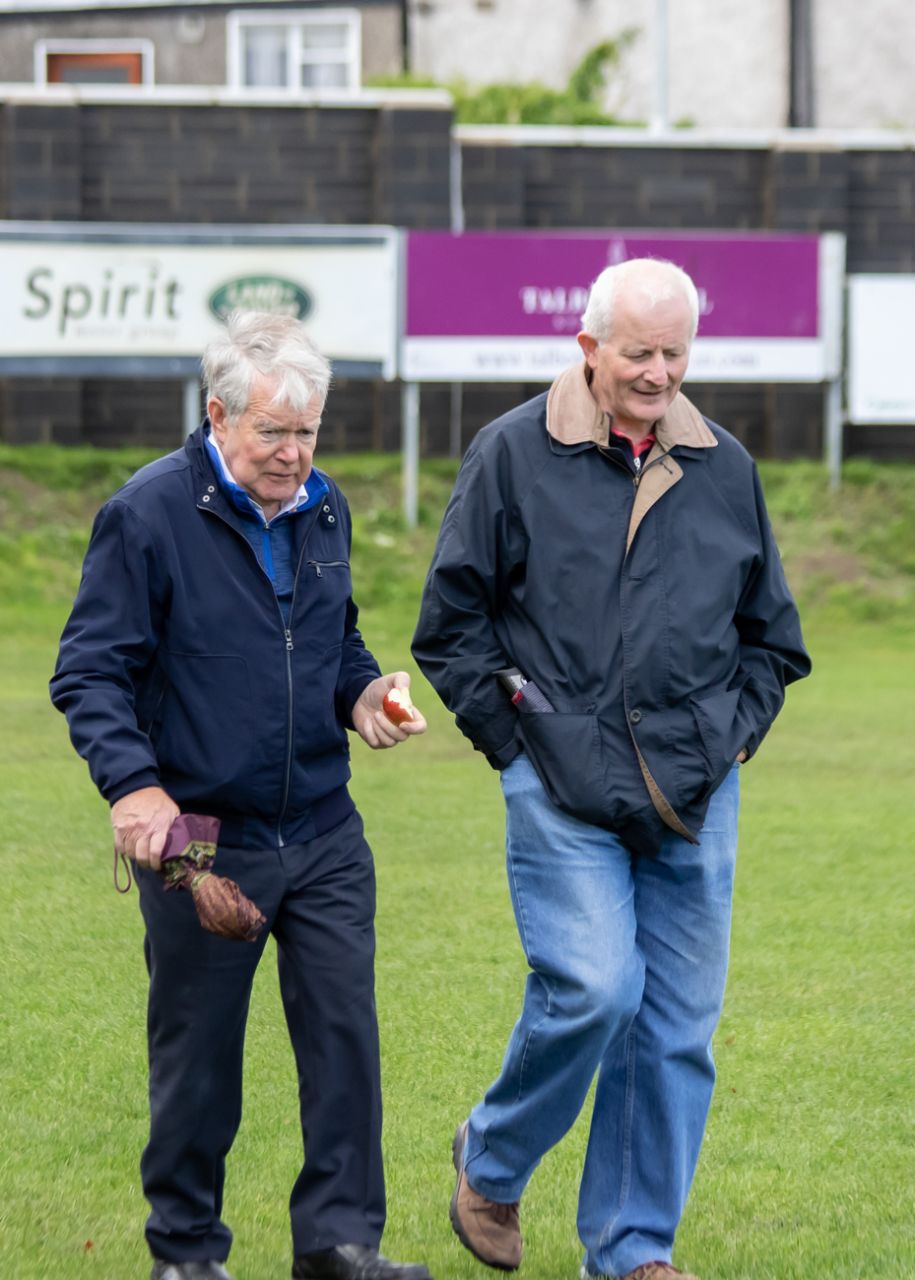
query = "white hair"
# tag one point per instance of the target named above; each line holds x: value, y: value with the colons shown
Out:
x: 272, y: 346
x: 654, y: 278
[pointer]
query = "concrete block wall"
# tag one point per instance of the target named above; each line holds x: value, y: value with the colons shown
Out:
x: 881, y: 211
x: 41, y: 162
x: 168, y: 162
x: 173, y: 161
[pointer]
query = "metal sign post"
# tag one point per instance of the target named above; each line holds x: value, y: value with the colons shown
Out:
x: 409, y: 415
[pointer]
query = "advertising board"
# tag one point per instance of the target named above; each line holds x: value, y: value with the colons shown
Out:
x: 881, y: 372
x: 506, y: 306
x: 122, y: 299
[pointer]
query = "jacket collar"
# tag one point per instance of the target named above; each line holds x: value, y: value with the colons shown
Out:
x: 573, y: 416
x: 208, y: 465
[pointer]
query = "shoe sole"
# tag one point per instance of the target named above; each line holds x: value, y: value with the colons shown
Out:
x: 457, y: 1150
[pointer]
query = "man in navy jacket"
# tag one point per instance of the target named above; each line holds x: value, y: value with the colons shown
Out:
x: 607, y: 550
x: 212, y: 664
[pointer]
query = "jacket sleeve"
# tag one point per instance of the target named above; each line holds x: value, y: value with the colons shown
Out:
x: 772, y: 652
x: 358, y: 667
x: 109, y: 641
x: 456, y: 643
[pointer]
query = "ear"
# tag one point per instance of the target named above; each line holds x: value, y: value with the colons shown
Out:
x: 589, y: 347
x: 219, y: 421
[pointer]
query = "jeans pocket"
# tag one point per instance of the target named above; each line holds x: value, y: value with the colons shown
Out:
x: 565, y: 749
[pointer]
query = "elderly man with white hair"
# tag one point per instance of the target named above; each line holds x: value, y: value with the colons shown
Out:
x: 607, y: 617
x: 212, y: 665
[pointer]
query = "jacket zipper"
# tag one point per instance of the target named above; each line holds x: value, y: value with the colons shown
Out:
x: 290, y: 646
x: 290, y: 720
x: 318, y: 565
x: 290, y: 725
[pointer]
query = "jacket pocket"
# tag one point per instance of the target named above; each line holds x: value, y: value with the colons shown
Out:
x: 565, y: 749
x: 718, y: 727
x: 325, y: 587
x: 318, y: 718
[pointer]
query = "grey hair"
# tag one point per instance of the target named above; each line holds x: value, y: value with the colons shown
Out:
x: 654, y: 278
x: 274, y: 346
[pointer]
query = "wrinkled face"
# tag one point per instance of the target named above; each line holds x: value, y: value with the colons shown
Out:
x: 269, y: 448
x: 637, y: 372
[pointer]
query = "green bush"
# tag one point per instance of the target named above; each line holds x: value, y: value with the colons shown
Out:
x: 579, y: 103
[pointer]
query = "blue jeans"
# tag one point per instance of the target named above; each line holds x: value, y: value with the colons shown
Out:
x: 628, y: 961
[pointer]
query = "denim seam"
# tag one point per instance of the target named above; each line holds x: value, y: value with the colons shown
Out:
x: 522, y: 922
x: 626, y: 1163
x: 530, y: 1040
x: 523, y: 930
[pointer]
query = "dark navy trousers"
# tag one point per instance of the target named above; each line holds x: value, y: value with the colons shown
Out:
x: 319, y: 900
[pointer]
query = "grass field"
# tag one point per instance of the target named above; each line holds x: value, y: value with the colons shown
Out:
x: 807, y: 1166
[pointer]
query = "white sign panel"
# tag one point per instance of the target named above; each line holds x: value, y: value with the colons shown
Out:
x: 499, y: 359
x: 881, y: 370
x: 70, y: 299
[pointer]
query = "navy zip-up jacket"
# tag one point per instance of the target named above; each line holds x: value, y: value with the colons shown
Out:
x: 651, y: 610
x: 177, y: 668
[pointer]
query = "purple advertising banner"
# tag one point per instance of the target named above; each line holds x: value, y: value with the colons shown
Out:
x: 536, y: 284
x: 501, y: 306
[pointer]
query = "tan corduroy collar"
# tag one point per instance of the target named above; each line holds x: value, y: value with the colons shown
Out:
x: 573, y: 416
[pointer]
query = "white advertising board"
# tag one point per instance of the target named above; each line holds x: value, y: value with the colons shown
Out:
x: 881, y: 370
x: 152, y: 298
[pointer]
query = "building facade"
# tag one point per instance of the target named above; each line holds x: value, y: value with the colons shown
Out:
x: 724, y: 64
x: 268, y: 121
x: 293, y: 46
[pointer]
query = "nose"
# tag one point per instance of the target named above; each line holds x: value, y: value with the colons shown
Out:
x: 288, y: 450
x: 656, y: 371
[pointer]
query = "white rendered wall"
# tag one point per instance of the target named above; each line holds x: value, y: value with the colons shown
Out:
x: 865, y: 64
x: 728, y: 60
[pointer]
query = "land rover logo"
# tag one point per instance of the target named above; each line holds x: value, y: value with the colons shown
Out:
x: 261, y: 293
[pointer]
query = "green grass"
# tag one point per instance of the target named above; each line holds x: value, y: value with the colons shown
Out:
x: 806, y: 1170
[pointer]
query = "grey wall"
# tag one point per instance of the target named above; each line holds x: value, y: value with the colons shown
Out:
x: 170, y: 163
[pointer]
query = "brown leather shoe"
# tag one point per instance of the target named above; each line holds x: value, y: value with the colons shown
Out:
x: 488, y: 1229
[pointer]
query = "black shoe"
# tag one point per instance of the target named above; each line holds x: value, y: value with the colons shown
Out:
x: 188, y: 1271
x: 354, y: 1262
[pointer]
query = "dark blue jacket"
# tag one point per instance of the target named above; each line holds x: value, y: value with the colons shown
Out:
x: 651, y: 610
x: 176, y: 667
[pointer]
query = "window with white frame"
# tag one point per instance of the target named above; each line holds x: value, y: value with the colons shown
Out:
x: 94, y: 62
x: 294, y: 50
